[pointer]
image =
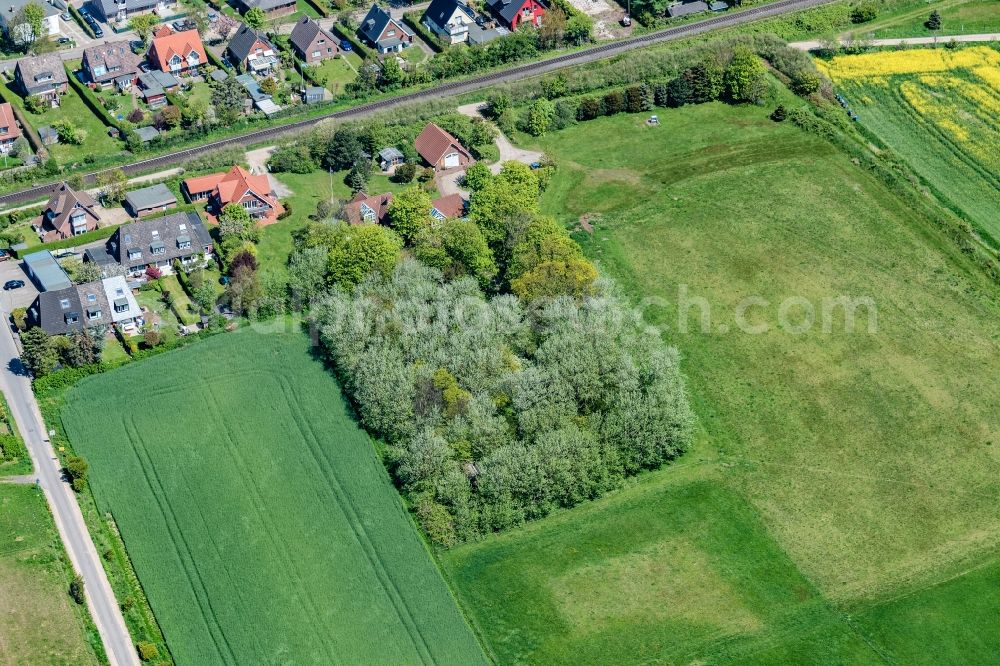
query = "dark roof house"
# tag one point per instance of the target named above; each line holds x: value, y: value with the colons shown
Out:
x: 383, y: 32
x: 686, y: 8
x: 450, y: 19
x: 41, y: 75
x: 269, y: 7
x: 251, y: 50
x: 68, y: 213
x: 311, y: 42
x: 159, y: 241
x: 119, y: 10
x: 111, y: 62
x: 89, y: 305
x: 148, y: 200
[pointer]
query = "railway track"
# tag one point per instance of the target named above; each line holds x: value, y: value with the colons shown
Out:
x: 582, y: 57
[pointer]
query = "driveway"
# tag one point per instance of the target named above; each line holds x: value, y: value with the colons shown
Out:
x: 447, y: 183
x: 508, y: 151
x: 257, y: 161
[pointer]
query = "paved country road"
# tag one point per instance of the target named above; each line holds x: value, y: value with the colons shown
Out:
x: 16, y: 386
x: 897, y: 41
x: 485, y: 81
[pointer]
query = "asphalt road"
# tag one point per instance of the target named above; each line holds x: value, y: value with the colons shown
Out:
x: 485, y: 81
x: 16, y: 386
x: 897, y: 41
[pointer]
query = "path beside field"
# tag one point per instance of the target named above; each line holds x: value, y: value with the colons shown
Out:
x: 896, y: 41
x: 101, y: 602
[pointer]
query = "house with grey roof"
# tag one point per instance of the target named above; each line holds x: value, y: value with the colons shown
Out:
x: 111, y: 63
x: 159, y: 241
x: 50, y: 21
x: 120, y: 10
x: 251, y: 51
x: 311, y: 42
x: 270, y: 7
x: 93, y: 305
x: 390, y: 157
x: 45, y: 271
x: 384, y: 33
x: 687, y: 8
x: 41, y: 75
x: 154, y: 86
x: 149, y: 200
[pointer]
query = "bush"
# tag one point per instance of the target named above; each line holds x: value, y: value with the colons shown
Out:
x: 779, y: 114
x: 864, y: 12
x: 147, y: 651
x: 76, y: 590
x: 405, y: 173
x: 614, y: 102
x: 292, y: 158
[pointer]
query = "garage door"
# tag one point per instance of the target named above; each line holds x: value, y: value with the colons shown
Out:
x: 450, y: 160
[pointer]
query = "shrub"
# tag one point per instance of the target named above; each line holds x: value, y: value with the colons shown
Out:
x: 864, y: 12
x: 76, y: 589
x: 778, y: 114
x: 405, y: 173
x: 147, y: 651
x: 153, y: 273
x: 135, y: 116
x: 590, y: 108
x: 614, y: 102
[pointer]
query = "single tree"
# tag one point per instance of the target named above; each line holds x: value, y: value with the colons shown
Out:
x: 934, y: 21
x: 255, y: 18
x: 744, y: 75
x: 113, y: 184
x: 143, y: 25
x: 410, y: 212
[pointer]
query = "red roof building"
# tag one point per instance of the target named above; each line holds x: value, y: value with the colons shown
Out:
x: 252, y: 191
x: 9, y: 129
x: 448, y: 207
x: 177, y: 52
x: 363, y: 209
x: 440, y: 149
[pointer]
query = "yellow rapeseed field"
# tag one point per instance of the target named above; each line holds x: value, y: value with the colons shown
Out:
x: 883, y: 64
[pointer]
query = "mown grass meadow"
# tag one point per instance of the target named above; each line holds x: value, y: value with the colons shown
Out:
x: 842, y: 500
x: 260, y: 522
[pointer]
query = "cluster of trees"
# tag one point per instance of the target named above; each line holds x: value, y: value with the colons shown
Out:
x: 43, y: 353
x: 495, y: 413
x: 352, y: 147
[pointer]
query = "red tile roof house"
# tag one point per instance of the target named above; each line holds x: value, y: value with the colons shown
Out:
x: 448, y: 207
x: 363, y: 209
x: 441, y: 150
x: 67, y: 214
x: 9, y: 130
x: 178, y: 53
x: 238, y: 185
x: 514, y: 13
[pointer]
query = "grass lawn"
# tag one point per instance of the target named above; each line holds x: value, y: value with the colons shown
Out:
x: 199, y: 91
x: 337, y: 72
x: 183, y: 308
x: 307, y: 190
x: 163, y: 318
x: 261, y: 524
x: 958, y: 17
x: 113, y: 351
x: 856, y: 465
x: 39, y: 622
x: 73, y: 109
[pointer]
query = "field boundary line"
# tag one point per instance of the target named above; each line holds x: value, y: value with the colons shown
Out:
x: 149, y: 473
x: 259, y: 506
x: 353, y: 519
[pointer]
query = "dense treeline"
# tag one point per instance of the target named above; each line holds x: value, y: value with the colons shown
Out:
x: 504, y: 377
x: 495, y: 413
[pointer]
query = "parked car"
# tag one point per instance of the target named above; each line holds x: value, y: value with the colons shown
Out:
x: 144, y: 67
x: 13, y: 284
x: 4, y: 255
x: 97, y: 31
x: 212, y: 17
x: 64, y: 40
x: 65, y: 16
x: 136, y: 46
x: 345, y: 45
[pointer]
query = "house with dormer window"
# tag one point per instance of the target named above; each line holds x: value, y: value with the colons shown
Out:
x: 98, y: 304
x: 251, y: 191
x: 43, y: 76
x: 363, y: 209
x: 251, y: 51
x: 311, y: 42
x: 177, y: 53
x: 156, y: 242
x: 111, y: 63
x: 68, y: 213
x: 384, y: 33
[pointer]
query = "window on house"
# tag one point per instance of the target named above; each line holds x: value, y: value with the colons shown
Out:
x: 4, y: 130
x: 315, y: 54
x: 64, y: 303
x: 91, y: 298
x: 391, y: 33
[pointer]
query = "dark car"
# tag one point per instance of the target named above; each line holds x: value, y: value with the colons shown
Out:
x: 64, y: 40
x: 4, y: 255
x: 136, y: 46
x: 13, y: 284
x: 97, y: 31
x: 345, y: 45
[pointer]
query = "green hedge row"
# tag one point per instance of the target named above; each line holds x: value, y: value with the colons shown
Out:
x: 29, y: 129
x: 343, y: 33
x: 320, y: 9
x: 79, y: 19
x: 217, y: 61
x: 90, y: 99
x: 79, y: 239
x: 413, y: 20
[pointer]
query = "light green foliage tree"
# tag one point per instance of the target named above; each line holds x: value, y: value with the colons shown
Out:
x: 392, y: 75
x: 361, y: 250
x: 307, y: 274
x: 512, y: 193
x: 113, y: 184
x: 476, y: 176
x: 744, y: 77
x: 255, y: 18
x: 143, y: 25
x: 539, y: 116
x: 69, y: 133
x: 551, y: 279
x: 457, y: 248
x: 235, y: 221
x: 26, y: 26
x: 410, y: 212
x: 205, y: 297
x: 38, y: 353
